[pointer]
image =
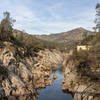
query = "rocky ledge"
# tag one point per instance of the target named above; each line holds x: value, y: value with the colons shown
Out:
x: 80, y: 87
x: 20, y: 75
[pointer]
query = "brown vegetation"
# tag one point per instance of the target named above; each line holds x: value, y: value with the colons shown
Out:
x: 87, y: 62
x: 34, y: 44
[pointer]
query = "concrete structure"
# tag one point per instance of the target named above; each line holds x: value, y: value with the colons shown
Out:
x: 83, y: 47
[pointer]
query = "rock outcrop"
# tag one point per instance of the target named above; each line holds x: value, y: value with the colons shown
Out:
x: 81, y: 87
x: 21, y: 76
x: 54, y: 76
x: 18, y: 83
x: 47, y: 61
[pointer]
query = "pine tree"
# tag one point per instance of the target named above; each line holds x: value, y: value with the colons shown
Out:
x: 6, y: 27
x: 97, y: 19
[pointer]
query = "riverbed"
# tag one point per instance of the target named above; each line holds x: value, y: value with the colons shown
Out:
x: 54, y: 92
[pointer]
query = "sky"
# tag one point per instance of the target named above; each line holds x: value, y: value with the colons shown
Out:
x: 50, y: 16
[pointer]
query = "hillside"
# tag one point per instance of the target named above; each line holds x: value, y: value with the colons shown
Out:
x: 67, y: 39
x: 35, y: 44
x: 63, y: 41
x: 82, y: 71
x: 73, y: 35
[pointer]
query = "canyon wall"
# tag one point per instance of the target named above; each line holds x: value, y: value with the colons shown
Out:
x: 81, y: 87
x: 21, y: 76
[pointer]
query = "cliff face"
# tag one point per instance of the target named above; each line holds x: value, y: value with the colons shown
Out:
x: 81, y: 87
x: 46, y: 62
x: 21, y: 76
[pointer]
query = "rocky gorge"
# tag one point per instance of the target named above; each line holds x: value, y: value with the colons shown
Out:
x: 22, y: 75
x: 50, y: 65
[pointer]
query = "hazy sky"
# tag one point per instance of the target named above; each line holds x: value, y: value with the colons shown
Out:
x: 50, y: 16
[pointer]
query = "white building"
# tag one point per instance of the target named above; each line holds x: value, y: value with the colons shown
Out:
x: 83, y: 47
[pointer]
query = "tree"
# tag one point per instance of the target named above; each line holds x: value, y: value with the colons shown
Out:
x: 97, y: 19
x: 6, y: 27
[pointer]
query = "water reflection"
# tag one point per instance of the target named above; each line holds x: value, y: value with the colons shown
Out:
x: 55, y: 92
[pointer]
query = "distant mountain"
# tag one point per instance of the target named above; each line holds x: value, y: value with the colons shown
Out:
x: 62, y: 41
x: 66, y: 37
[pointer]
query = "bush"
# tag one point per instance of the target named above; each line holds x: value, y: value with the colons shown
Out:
x: 84, y: 61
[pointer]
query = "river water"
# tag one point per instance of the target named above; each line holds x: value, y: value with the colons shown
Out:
x: 54, y: 92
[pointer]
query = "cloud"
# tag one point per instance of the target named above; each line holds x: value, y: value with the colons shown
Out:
x: 37, y: 17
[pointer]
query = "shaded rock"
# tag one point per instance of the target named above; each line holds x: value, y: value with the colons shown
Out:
x: 12, y: 98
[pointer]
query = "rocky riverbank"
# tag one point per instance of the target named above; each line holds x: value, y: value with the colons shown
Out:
x: 21, y: 75
x: 46, y: 62
x: 81, y: 87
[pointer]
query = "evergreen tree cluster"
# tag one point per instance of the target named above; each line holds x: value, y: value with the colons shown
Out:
x: 6, y: 27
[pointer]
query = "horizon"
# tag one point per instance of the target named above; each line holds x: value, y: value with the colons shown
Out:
x: 64, y: 31
x: 50, y: 17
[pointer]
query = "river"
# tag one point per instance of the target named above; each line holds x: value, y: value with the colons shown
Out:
x: 54, y: 92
